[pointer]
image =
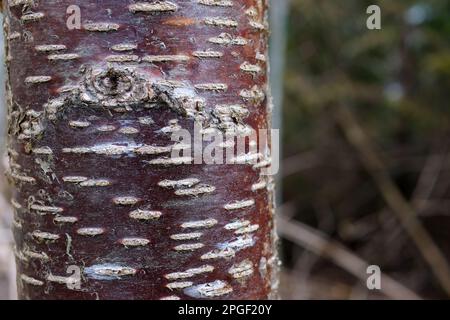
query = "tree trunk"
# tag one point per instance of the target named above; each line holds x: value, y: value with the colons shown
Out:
x: 103, y: 209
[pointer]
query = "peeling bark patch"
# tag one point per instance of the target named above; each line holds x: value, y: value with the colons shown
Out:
x: 250, y: 68
x: 31, y: 17
x: 190, y: 182
x: 117, y: 150
x: 155, y: 7
x: 95, y: 183
x: 14, y: 35
x: 196, y: 191
x: 67, y: 56
x: 22, y: 178
x: 32, y: 281
x: 27, y: 126
x: 230, y: 112
x: 189, y: 273
x: 221, y: 22
x: 79, y: 124
x: 262, y: 164
x: 171, y: 84
x: 209, y: 290
x: 208, y: 223
x: 259, y: 186
x: 109, y: 271
x: 262, y: 268
x: 19, y: 255
x: 186, y: 236
x: 50, y: 47
x: 102, y: 149
x: 218, y: 3
x: 249, y: 158
x: 228, y: 39
x: 128, y: 130
x: 179, y: 285
x: 261, y: 57
x: 46, y: 209
x: 207, y: 54
x: 249, y: 229
x: 124, y: 47
x: 36, y: 255
x: 241, y: 270
x: 122, y: 58
x: 41, y: 236
x: 153, y: 150
x: 172, y: 127
x: 106, y: 128
x: 212, y: 86
x: 69, y: 281
x: 145, y: 215
x: 229, y: 116
x: 173, y: 298
x: 43, y: 151
x: 134, y: 242
x: 239, y: 204
x: 171, y: 161
x: 219, y: 254
x: 255, y: 95
x: 251, y: 12
x: 189, y: 247
x: 90, y: 232
x: 240, y: 243
x: 146, y: 121
x: 101, y: 27
x: 62, y: 220
x: 257, y: 25
x: 237, y: 225
x: 74, y: 179
x: 166, y: 58
x: 126, y: 201
x: 37, y: 79
x: 16, y: 205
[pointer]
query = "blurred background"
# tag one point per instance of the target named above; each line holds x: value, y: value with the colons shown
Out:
x: 365, y: 180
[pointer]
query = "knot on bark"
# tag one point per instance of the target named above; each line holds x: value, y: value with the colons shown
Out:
x: 126, y: 89
x: 114, y: 87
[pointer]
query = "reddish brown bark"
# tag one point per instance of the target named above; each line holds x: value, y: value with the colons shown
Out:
x: 91, y: 113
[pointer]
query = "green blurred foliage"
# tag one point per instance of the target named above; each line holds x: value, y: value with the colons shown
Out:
x: 397, y: 78
x: 397, y: 82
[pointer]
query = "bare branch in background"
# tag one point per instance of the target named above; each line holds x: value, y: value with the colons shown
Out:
x: 319, y: 243
x: 393, y: 197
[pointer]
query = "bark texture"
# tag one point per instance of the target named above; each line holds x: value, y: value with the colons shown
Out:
x: 91, y: 112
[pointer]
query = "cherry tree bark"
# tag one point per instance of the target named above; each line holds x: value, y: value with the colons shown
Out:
x: 96, y: 91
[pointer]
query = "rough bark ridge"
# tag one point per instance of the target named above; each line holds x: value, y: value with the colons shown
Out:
x: 91, y: 112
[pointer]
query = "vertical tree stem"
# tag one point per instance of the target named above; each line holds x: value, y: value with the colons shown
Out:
x: 92, y: 112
